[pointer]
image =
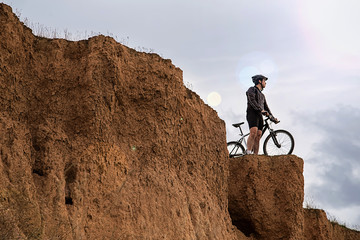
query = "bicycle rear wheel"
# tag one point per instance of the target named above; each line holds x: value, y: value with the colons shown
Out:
x: 235, y: 149
x: 280, y: 142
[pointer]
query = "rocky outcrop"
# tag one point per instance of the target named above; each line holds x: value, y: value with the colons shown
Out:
x: 266, y: 196
x: 99, y: 141
x: 266, y: 202
x: 318, y: 227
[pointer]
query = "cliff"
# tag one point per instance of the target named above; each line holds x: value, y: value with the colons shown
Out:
x: 266, y: 196
x: 266, y: 202
x: 98, y: 141
x: 318, y: 227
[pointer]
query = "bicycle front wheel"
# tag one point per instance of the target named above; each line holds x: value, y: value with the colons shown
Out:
x: 279, y: 142
x: 235, y: 149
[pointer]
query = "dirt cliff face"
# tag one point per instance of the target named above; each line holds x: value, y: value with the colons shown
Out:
x: 266, y: 202
x: 99, y: 141
x: 266, y: 196
x: 318, y: 227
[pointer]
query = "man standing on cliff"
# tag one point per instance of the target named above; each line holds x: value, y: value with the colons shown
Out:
x: 256, y: 107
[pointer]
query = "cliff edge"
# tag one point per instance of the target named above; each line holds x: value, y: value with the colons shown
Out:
x: 99, y: 141
x: 318, y: 227
x: 266, y: 196
x: 266, y: 202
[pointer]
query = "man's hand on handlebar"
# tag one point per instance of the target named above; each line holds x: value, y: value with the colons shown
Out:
x: 271, y: 117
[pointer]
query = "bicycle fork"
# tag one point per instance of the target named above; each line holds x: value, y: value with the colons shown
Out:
x: 273, y: 136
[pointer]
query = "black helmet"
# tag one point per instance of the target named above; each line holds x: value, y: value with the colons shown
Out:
x: 258, y: 78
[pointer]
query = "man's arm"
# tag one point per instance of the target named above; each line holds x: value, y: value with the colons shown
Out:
x: 272, y: 118
x: 251, y: 96
x: 266, y: 107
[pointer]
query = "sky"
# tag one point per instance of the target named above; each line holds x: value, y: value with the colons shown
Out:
x: 309, y: 50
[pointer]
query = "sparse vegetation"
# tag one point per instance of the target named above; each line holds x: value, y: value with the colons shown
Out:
x: 41, y: 30
x: 334, y: 220
x: 189, y: 85
x: 309, y: 202
x: 356, y: 227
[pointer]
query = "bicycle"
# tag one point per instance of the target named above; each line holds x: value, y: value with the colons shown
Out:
x: 278, y: 142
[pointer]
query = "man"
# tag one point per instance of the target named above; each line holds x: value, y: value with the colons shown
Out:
x: 256, y: 106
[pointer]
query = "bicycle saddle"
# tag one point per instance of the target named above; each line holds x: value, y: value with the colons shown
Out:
x: 238, y: 124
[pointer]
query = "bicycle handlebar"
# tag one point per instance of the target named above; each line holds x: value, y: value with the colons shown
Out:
x: 273, y: 119
x: 270, y: 117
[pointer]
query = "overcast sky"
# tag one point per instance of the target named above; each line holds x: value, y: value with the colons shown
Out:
x: 309, y: 50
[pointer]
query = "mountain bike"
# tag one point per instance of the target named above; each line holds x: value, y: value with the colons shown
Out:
x: 278, y: 142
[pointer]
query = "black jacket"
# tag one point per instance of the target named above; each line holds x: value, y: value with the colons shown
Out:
x: 256, y: 100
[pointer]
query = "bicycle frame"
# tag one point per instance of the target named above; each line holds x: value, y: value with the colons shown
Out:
x: 266, y: 127
x: 243, y: 138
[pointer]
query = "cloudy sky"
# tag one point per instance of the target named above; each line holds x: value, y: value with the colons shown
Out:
x: 309, y: 50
